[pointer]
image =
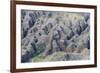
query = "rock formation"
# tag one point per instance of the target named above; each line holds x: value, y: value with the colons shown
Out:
x: 46, y: 33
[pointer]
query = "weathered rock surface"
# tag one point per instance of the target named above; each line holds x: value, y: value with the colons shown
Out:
x: 48, y: 32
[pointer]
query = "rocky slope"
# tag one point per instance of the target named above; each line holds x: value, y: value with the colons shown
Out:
x: 54, y: 36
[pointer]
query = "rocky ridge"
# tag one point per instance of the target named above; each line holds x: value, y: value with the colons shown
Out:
x: 46, y: 33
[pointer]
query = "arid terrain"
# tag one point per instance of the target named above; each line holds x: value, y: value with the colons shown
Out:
x: 54, y: 36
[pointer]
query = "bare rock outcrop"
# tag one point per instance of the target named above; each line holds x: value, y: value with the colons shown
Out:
x: 47, y: 32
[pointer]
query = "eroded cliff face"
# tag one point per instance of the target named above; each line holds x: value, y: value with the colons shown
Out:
x: 54, y: 36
